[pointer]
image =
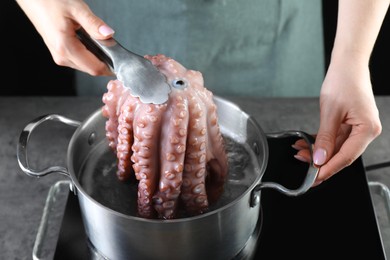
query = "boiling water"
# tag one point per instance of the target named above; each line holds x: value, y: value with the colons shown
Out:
x: 98, y: 178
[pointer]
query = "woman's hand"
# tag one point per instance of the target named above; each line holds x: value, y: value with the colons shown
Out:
x: 349, y: 118
x: 57, y: 22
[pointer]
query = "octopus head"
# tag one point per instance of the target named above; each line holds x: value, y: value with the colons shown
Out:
x: 177, y: 75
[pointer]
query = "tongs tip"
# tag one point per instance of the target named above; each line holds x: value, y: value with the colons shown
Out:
x: 147, y: 84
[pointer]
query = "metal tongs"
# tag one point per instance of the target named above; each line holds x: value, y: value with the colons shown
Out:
x: 138, y: 74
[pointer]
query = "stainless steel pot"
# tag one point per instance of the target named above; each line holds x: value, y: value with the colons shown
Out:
x: 218, y: 234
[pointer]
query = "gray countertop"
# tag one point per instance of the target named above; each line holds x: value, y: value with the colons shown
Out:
x: 22, y: 198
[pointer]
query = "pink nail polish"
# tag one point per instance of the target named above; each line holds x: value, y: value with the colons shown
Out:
x: 319, y: 156
x: 301, y: 158
x: 297, y: 147
x: 316, y: 183
x: 106, y: 30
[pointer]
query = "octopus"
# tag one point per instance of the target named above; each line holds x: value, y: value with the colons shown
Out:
x: 175, y: 151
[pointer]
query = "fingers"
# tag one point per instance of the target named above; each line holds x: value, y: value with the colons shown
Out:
x: 76, y: 53
x: 57, y: 22
x: 82, y: 59
x: 91, y: 23
x: 353, y: 147
x: 349, y: 143
x: 95, y: 27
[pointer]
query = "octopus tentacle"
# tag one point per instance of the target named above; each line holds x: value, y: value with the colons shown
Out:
x: 125, y: 138
x: 147, y: 125
x: 113, y: 100
x: 193, y: 192
x: 217, y: 158
x: 110, y: 99
x: 173, y: 147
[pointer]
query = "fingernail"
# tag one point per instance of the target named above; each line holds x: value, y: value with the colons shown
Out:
x: 106, y: 30
x: 297, y: 147
x: 319, y: 156
x: 316, y: 183
x: 301, y: 158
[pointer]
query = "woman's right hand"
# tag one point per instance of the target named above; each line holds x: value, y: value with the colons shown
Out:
x: 57, y: 21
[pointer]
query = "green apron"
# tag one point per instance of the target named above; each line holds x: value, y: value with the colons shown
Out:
x: 242, y: 48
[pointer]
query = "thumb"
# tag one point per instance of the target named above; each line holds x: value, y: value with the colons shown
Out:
x: 93, y: 25
x: 325, y: 143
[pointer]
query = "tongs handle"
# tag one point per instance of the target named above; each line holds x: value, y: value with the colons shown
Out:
x: 106, y: 50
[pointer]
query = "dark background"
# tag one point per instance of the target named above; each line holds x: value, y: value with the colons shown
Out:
x: 30, y: 69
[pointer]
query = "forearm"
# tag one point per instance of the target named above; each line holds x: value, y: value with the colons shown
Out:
x: 358, y: 26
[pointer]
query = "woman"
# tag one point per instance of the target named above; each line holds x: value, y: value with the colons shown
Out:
x: 267, y: 48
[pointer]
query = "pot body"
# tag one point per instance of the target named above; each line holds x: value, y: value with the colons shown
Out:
x: 218, y: 234
x: 221, y: 233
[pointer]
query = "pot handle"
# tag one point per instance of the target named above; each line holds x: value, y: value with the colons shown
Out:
x: 311, y: 175
x: 23, y: 141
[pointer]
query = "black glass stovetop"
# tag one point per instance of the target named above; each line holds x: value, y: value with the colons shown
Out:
x: 335, y: 220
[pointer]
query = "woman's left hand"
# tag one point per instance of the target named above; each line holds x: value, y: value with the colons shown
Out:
x: 349, y: 119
